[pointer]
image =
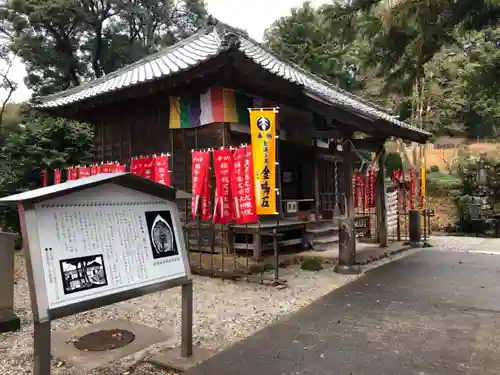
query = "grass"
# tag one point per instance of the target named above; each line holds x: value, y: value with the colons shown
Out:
x: 441, y: 184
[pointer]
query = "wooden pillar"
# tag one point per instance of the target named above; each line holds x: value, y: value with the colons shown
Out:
x: 381, y: 200
x: 347, y: 232
x: 316, y: 182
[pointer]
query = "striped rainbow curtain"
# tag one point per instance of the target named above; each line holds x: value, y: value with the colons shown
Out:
x: 215, y: 105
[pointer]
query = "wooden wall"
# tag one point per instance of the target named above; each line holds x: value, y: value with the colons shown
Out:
x: 141, y: 127
x: 137, y: 128
x: 132, y: 128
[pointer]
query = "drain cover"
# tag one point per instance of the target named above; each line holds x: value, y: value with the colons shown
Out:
x: 104, y: 340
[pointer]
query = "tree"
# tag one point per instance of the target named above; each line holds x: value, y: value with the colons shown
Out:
x: 39, y: 143
x: 7, y: 83
x: 319, y: 40
x: 407, y: 34
x: 482, y: 82
x: 412, y: 57
x: 65, y: 42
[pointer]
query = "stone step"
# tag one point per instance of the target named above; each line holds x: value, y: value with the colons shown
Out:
x: 325, y: 239
x: 319, y: 227
x: 322, y: 230
x: 325, y: 246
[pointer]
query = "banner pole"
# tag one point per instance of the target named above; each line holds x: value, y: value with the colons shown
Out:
x: 424, y: 195
x: 278, y: 166
x: 278, y: 196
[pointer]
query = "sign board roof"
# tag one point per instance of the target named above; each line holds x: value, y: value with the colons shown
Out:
x: 128, y: 180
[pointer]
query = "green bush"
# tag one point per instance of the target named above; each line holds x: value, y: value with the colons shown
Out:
x: 43, y: 142
x: 311, y: 264
x: 393, y: 163
x: 433, y: 169
x: 442, y: 184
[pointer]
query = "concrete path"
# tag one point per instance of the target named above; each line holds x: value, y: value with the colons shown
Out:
x: 434, y: 312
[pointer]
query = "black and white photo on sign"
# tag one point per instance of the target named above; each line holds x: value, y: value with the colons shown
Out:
x: 83, y: 273
x: 161, y: 234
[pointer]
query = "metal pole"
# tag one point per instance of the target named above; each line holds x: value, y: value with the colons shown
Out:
x: 41, y: 349
x: 278, y: 195
x: 186, y: 320
x: 425, y: 224
x: 424, y: 195
x: 276, y: 257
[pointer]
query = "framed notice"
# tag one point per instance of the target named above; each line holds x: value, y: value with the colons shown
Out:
x: 100, y: 245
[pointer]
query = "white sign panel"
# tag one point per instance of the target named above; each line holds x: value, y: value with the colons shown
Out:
x: 107, y: 240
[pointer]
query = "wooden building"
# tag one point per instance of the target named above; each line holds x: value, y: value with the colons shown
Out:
x: 222, y: 69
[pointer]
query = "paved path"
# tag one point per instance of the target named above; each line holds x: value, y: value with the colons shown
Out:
x: 436, y: 312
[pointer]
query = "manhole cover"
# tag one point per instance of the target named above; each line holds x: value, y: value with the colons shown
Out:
x: 104, y: 340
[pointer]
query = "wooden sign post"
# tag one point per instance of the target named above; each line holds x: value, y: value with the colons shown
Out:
x: 97, y: 241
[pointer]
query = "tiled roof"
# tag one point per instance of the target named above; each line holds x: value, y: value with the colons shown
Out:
x: 203, y: 46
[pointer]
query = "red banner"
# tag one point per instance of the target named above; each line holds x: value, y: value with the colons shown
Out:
x: 109, y: 167
x: 371, y: 187
x: 355, y: 188
x: 199, y: 168
x: 147, y: 167
x: 223, y: 167
x: 121, y: 168
x: 94, y: 169
x: 243, y: 186
x: 72, y: 174
x: 396, y: 175
x: 44, y: 177
x: 57, y: 177
x: 362, y: 191
x: 83, y: 172
x: 134, y: 166
x: 160, y: 169
x: 206, y: 209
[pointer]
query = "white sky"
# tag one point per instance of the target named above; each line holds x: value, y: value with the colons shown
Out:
x: 254, y: 16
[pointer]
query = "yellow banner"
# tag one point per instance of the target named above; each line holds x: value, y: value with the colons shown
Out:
x: 263, y: 132
x: 423, y: 174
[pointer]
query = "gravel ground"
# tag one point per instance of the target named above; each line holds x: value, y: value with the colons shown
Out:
x: 225, y: 312
x: 464, y: 244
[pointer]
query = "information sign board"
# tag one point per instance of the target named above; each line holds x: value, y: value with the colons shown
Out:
x: 100, y: 241
x: 97, y: 248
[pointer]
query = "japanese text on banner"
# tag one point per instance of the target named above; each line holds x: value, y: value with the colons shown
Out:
x: 243, y: 187
x: 206, y: 211
x: 199, y: 168
x: 223, y: 205
x: 95, y: 169
x: 57, y: 177
x: 83, y: 172
x: 263, y: 132
x: 72, y: 174
x: 161, y: 173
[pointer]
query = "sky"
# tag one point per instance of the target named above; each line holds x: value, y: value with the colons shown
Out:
x: 254, y: 16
